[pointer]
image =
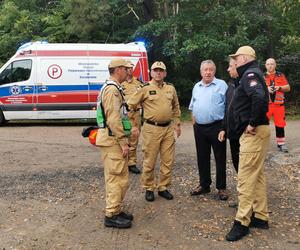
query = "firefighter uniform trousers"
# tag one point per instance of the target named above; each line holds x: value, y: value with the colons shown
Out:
x: 133, y: 142
x: 131, y: 87
x: 116, y: 178
x: 251, y: 177
x: 157, y: 140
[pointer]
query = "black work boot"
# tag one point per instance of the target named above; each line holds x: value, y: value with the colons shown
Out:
x: 237, y: 231
x: 127, y: 216
x: 283, y: 148
x: 258, y: 223
x: 165, y: 194
x: 117, y: 221
x: 134, y: 169
x: 149, y: 195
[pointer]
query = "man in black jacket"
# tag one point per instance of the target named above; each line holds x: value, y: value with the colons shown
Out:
x: 228, y: 123
x: 250, y: 105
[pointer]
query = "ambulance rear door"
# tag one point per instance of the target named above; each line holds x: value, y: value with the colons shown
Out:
x: 139, y: 58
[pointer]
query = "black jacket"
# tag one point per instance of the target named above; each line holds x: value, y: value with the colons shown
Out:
x: 228, y: 123
x: 250, y: 103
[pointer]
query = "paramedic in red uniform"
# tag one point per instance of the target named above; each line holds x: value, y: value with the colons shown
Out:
x: 277, y: 86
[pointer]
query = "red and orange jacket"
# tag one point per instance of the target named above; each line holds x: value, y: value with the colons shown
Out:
x: 276, y: 79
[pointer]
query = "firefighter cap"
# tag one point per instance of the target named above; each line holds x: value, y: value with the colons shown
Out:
x: 119, y: 62
x: 244, y: 50
x: 159, y: 65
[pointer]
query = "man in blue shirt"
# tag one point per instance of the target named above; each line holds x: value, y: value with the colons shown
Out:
x: 208, y: 107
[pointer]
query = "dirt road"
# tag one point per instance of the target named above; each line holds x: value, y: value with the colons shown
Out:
x: 52, y: 197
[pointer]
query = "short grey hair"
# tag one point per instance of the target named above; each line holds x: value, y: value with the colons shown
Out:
x: 208, y: 62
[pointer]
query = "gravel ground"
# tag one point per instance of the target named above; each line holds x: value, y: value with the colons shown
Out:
x: 52, y: 197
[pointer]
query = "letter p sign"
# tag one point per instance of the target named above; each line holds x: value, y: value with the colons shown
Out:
x: 54, y: 71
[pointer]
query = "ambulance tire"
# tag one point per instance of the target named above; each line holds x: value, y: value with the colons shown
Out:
x: 2, y: 119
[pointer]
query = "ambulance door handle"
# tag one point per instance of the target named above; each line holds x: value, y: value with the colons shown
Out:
x: 43, y: 88
x: 27, y: 88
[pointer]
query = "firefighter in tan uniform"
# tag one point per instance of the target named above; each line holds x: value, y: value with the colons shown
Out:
x: 131, y: 86
x: 161, y: 117
x: 114, y: 146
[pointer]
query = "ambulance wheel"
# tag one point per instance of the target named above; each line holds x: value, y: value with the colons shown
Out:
x: 2, y: 119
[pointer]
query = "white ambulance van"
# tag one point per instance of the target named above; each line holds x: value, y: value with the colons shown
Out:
x: 61, y: 81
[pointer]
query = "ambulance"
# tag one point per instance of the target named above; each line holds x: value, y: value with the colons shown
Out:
x: 61, y: 81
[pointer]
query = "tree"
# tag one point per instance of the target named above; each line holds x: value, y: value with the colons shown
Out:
x: 181, y: 33
x: 198, y: 30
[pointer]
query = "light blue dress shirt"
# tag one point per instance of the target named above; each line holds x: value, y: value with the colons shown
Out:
x: 208, y: 101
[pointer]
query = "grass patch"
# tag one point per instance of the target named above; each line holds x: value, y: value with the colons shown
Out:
x: 292, y: 117
x: 292, y: 112
x: 185, y: 117
x: 185, y: 114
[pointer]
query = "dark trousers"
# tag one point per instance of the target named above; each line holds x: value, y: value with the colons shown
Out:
x: 206, y: 137
x: 235, y: 152
x: 279, y: 132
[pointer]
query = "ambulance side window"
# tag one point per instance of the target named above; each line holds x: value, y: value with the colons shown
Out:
x: 17, y: 71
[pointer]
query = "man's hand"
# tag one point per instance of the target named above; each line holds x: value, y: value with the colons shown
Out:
x: 285, y: 88
x: 250, y: 130
x: 271, y: 89
x: 177, y: 130
x: 193, y: 119
x: 125, y: 150
x: 221, y: 136
x: 135, y: 131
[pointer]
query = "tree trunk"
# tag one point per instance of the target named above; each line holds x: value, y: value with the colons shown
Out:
x: 268, y: 26
x: 149, y: 10
x: 166, y: 9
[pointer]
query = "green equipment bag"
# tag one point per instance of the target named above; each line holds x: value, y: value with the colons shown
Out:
x: 100, y: 116
x: 126, y: 126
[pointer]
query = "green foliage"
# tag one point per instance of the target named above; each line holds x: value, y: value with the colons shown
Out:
x: 213, y: 29
x: 17, y: 25
x: 182, y: 33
